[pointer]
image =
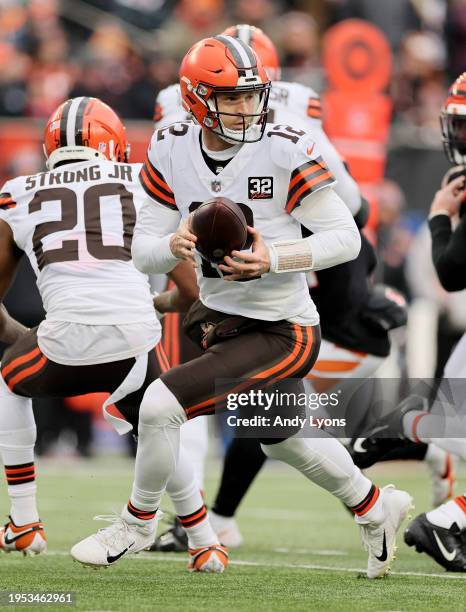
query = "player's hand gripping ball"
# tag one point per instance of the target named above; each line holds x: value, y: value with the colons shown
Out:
x: 220, y: 227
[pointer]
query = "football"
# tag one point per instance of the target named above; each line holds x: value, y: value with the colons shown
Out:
x: 220, y: 227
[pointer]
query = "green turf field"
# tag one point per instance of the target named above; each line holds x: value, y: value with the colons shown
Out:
x: 301, y: 550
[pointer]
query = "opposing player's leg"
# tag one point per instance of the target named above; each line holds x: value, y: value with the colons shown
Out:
x: 244, y: 459
x: 24, y: 532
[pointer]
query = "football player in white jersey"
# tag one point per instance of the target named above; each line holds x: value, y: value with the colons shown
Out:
x: 297, y: 105
x: 290, y: 104
x: 260, y: 296
x: 75, y: 224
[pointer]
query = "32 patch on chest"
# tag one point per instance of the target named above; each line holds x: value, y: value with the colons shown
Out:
x: 260, y: 187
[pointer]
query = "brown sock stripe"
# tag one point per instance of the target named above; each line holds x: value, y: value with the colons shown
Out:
x: 190, y: 520
x: 367, y: 502
x: 19, y: 466
x: 20, y: 474
x: 461, y: 501
x: 145, y: 515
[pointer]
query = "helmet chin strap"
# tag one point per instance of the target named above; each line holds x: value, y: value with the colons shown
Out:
x: 234, y: 136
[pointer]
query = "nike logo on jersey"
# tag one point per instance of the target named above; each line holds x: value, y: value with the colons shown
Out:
x: 310, y: 149
x: 9, y: 540
x: 449, y: 556
x: 384, y: 555
x: 112, y: 559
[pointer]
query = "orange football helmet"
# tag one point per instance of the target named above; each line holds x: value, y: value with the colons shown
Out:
x: 84, y: 129
x: 223, y: 64
x: 453, y: 121
x: 262, y: 45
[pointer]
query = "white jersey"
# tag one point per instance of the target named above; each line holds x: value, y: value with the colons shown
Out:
x: 75, y: 225
x: 290, y: 104
x: 269, y: 178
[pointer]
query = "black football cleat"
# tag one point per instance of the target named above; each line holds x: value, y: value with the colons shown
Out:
x: 444, y: 545
x: 172, y: 540
x: 385, y: 434
x: 368, y: 451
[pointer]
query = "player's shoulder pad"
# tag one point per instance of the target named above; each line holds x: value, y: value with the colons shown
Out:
x: 290, y: 146
x: 165, y: 139
x: 296, y: 89
x: 302, y: 100
x: 170, y: 97
x: 169, y: 107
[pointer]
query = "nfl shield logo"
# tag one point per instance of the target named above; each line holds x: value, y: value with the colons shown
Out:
x: 216, y: 186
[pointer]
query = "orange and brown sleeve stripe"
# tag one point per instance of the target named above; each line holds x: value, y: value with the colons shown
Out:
x: 193, y: 519
x: 306, y: 179
x: 155, y: 185
x: 6, y: 201
x: 461, y: 501
x: 314, y: 108
x: 20, y: 474
x: 368, y: 502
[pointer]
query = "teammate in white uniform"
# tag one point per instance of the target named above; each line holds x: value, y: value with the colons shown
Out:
x: 279, y: 172
x: 75, y: 224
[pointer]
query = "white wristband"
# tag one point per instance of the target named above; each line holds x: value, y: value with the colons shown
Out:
x: 290, y: 256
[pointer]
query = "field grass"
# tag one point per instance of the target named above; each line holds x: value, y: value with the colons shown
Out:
x: 301, y: 550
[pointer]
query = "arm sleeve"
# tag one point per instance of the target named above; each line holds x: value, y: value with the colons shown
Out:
x: 151, y: 239
x: 335, y: 236
x: 449, y: 252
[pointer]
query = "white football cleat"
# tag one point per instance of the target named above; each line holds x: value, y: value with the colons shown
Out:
x: 110, y: 544
x: 227, y: 530
x: 379, y: 539
x: 28, y: 539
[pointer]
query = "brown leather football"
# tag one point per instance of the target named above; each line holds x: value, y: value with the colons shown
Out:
x: 220, y: 227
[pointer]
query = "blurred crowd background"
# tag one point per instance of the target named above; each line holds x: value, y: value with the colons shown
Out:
x: 125, y: 51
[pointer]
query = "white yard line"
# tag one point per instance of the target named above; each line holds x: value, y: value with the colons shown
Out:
x: 311, y: 566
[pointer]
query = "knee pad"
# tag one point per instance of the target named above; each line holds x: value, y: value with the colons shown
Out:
x: 160, y: 408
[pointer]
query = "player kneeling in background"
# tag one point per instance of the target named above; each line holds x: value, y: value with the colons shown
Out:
x: 225, y: 88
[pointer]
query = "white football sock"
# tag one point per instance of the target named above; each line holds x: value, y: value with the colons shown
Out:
x: 17, y: 439
x: 160, y: 418
x: 194, y: 438
x: 447, y: 514
x: 325, y: 462
x: 189, y: 505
